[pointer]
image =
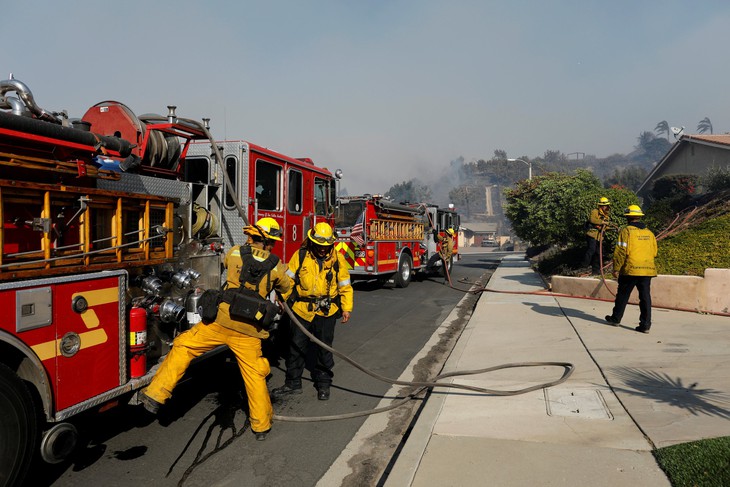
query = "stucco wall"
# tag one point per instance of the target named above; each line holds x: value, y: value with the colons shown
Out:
x: 690, y: 158
x: 694, y: 159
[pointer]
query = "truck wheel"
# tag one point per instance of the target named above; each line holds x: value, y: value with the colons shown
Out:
x: 405, y: 271
x: 18, y: 428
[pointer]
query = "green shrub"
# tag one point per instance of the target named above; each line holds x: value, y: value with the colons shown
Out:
x: 696, y: 249
x: 551, y: 209
x: 674, y: 185
x: 718, y: 179
x: 689, y: 252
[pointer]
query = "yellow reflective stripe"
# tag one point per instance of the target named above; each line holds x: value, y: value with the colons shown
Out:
x: 346, y: 282
x: 46, y: 350
x: 95, y: 298
x: 91, y: 338
x: 52, y: 348
x: 99, y: 296
x: 88, y: 339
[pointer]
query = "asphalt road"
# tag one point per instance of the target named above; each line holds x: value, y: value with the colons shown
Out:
x: 201, y: 436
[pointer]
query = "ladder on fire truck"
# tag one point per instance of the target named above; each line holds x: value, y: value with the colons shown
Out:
x: 395, y: 230
x: 56, y: 229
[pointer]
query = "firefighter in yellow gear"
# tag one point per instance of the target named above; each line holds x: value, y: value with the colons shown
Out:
x: 323, y: 293
x: 446, y: 250
x: 596, y: 224
x: 243, y: 338
x: 633, y: 265
x: 447, y: 244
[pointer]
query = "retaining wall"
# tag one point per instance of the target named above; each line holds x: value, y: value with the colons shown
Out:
x: 710, y: 294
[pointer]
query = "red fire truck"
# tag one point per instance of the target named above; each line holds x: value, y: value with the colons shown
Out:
x: 112, y: 226
x: 390, y: 241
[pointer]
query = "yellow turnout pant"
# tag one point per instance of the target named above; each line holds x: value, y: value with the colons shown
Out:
x: 202, y: 338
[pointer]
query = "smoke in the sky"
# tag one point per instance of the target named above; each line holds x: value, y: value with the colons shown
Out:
x: 386, y: 91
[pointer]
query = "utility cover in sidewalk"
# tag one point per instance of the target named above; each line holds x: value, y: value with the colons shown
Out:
x: 577, y: 403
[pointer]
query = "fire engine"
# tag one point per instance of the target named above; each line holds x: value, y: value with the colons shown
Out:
x: 384, y: 240
x: 112, y: 227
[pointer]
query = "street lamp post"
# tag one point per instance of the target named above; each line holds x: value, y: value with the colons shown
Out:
x: 529, y: 166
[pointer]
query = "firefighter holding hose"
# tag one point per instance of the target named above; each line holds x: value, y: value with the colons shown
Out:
x: 595, y: 226
x: 446, y: 250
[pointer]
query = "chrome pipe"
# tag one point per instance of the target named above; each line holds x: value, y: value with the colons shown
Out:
x: 24, y: 93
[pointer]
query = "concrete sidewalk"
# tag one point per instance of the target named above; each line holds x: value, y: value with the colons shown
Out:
x: 630, y: 393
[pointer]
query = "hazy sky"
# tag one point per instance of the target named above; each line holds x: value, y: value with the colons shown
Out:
x: 386, y: 90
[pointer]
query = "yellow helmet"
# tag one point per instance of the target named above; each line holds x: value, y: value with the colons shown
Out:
x: 321, y: 234
x: 450, y: 231
x: 603, y: 201
x: 266, y: 227
x: 633, y: 210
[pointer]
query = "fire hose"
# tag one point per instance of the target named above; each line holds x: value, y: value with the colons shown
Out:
x: 421, y: 386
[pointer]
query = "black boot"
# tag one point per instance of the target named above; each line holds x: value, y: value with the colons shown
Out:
x: 261, y: 435
x: 323, y: 393
x: 612, y: 321
x: 149, y: 404
x: 288, y: 388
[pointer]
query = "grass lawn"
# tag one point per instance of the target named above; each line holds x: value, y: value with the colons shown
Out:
x: 704, y: 463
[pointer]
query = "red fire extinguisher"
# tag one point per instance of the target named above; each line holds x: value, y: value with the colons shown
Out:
x: 137, y: 342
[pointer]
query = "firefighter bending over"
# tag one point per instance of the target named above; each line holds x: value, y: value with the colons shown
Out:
x: 322, y: 294
x: 242, y: 335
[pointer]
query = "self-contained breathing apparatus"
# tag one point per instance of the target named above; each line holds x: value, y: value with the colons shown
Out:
x: 245, y: 302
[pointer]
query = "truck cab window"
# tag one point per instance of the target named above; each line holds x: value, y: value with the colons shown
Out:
x: 267, y: 188
x: 232, y: 175
x: 348, y: 213
x: 321, y: 200
x: 294, y: 192
x: 333, y: 193
x: 197, y: 170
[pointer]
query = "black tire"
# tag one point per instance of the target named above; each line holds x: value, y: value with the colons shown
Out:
x: 405, y: 271
x: 18, y: 428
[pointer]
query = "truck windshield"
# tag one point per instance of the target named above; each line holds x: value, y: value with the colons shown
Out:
x: 321, y: 204
x: 348, y: 213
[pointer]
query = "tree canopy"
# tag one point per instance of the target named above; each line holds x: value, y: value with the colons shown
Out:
x: 552, y: 208
x: 704, y: 126
x: 409, y: 191
x: 663, y: 128
x: 650, y: 149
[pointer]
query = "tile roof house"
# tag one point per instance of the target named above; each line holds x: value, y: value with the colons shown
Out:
x: 691, y: 154
x: 477, y: 232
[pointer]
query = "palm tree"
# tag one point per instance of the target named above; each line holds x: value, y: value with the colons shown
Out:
x: 662, y: 128
x: 704, y: 126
